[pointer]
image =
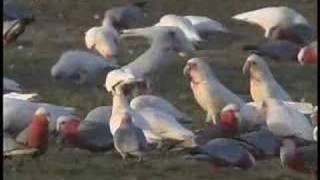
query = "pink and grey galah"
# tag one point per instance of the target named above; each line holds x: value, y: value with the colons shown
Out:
x: 224, y: 152
x: 17, y: 113
x: 235, y: 119
x: 92, y: 133
x: 31, y: 140
x: 308, y: 54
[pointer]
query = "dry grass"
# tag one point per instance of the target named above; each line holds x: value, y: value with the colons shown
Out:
x: 45, y: 40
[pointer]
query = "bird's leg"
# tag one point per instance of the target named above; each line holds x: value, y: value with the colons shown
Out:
x: 124, y: 156
x: 159, y: 145
x: 140, y: 158
x: 208, y: 117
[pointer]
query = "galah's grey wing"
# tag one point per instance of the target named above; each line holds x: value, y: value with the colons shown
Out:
x: 94, y: 136
x: 277, y: 49
x: 100, y: 114
x: 227, y: 149
x: 126, y: 140
x: 264, y: 141
x: 142, y: 139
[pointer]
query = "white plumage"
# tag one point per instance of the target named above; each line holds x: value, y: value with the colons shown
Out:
x: 25, y: 96
x: 206, y: 26
x: 262, y: 83
x: 182, y: 23
x: 144, y: 101
x: 208, y: 91
x: 270, y: 17
x: 284, y: 121
x: 164, y: 126
x: 104, y: 39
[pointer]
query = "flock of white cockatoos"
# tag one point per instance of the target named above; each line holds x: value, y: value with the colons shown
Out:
x: 237, y: 133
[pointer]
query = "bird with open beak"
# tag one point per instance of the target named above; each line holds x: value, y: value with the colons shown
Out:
x: 31, y: 140
x: 262, y: 83
x: 208, y: 91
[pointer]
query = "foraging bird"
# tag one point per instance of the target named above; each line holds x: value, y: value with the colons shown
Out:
x: 126, y: 16
x: 128, y: 139
x: 183, y: 24
x: 15, y: 21
x: 126, y: 125
x: 166, y: 42
x: 279, y: 50
x: 30, y: 140
x: 271, y: 17
x: 262, y: 83
x: 302, y: 159
x: 285, y: 121
x: 308, y: 54
x: 264, y: 144
x: 10, y: 86
x: 208, y: 91
x: 206, y: 26
x: 236, y: 119
x: 300, y: 34
x: 17, y: 114
x: 81, y: 68
x: 92, y: 134
x: 104, y: 39
x: 116, y: 76
x: 148, y: 100
x: 165, y: 127
x: 224, y: 152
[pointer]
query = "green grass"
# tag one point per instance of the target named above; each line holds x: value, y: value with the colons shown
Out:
x: 49, y: 36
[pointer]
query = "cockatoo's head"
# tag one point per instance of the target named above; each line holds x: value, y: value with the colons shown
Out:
x: 63, y: 121
x: 104, y: 40
x: 257, y: 67
x: 197, y: 70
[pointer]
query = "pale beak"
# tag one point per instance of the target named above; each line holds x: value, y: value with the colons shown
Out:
x: 246, y: 67
x: 186, y: 70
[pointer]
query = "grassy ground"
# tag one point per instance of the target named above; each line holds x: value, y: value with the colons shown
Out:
x: 49, y: 36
